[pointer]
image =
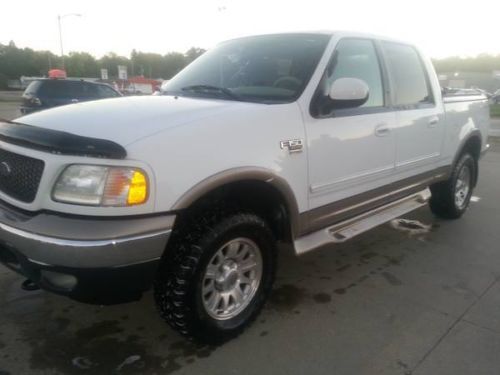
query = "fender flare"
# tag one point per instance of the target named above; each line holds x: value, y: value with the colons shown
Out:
x: 475, y: 133
x: 243, y: 174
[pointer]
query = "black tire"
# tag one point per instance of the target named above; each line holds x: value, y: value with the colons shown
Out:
x: 443, y: 203
x: 179, y: 282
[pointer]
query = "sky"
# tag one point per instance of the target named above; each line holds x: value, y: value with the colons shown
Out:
x: 440, y: 27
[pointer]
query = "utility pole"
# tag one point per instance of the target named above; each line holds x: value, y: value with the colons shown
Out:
x: 59, y: 18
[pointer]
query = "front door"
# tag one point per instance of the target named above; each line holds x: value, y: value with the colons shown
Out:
x: 350, y: 150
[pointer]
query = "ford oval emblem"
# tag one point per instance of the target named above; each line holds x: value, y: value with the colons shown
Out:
x: 5, y: 169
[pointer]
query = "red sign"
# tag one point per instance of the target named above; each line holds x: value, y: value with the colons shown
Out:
x: 57, y: 73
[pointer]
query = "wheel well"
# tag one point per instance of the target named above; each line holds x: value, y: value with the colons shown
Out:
x: 256, y: 196
x: 473, y: 146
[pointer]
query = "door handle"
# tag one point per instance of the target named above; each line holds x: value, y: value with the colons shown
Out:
x: 74, y: 100
x: 433, y: 122
x: 382, y: 130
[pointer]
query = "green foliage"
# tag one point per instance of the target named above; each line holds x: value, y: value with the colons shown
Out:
x: 13, y: 59
x: 495, y: 110
x: 193, y: 53
x: 111, y: 61
x: 81, y: 64
x: 16, y: 62
x: 174, y: 62
x: 3, y: 81
x: 482, y: 63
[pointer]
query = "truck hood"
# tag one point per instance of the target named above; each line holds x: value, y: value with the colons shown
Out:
x: 126, y: 120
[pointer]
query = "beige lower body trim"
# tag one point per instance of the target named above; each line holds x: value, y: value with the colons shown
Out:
x: 344, y: 209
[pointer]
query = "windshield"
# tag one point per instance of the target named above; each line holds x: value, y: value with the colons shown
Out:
x: 267, y: 69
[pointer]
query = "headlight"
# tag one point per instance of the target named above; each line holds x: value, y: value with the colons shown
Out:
x: 94, y: 185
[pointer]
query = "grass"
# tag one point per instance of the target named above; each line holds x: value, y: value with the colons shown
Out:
x: 495, y: 110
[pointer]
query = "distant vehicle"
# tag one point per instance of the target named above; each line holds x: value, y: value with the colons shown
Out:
x: 48, y: 92
x: 131, y: 90
x: 496, y: 96
x: 162, y: 89
x: 488, y: 94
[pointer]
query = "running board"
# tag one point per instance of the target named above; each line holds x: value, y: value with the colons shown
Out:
x: 350, y: 228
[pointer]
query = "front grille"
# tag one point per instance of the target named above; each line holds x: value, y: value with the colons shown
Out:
x: 20, y: 175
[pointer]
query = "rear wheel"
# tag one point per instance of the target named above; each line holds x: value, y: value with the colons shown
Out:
x: 216, y: 277
x: 451, y: 198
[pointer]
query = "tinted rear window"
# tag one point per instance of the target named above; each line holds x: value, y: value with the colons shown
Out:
x: 408, y: 73
x: 61, y: 89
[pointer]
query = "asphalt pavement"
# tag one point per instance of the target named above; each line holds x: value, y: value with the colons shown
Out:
x: 9, y: 110
x: 495, y: 127
x: 391, y: 301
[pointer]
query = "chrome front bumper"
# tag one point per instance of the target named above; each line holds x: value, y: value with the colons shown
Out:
x: 88, y: 259
x: 84, y: 242
x: 116, y: 252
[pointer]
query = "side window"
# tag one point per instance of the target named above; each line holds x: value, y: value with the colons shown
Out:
x: 357, y: 58
x: 88, y: 91
x: 408, y: 75
x: 104, y: 91
x: 76, y: 89
x: 58, y: 89
x: 352, y: 58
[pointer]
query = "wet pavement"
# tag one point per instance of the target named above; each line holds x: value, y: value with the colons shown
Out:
x: 406, y: 298
x: 495, y: 127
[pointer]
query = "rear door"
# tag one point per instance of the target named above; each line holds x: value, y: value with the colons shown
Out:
x: 104, y: 91
x: 95, y: 91
x: 420, y: 120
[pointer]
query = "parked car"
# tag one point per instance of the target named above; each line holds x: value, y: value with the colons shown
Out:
x: 306, y: 139
x: 47, y: 93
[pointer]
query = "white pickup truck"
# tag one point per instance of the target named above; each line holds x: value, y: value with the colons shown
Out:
x: 299, y: 138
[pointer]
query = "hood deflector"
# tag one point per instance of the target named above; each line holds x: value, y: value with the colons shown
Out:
x: 58, y: 142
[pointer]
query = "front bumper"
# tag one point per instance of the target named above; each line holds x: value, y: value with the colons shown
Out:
x: 93, y: 260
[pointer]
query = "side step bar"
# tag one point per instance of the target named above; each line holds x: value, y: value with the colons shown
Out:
x: 350, y: 228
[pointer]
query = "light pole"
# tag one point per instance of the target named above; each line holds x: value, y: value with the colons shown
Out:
x: 59, y: 18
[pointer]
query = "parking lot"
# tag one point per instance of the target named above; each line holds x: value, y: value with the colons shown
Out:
x: 392, y: 301
x: 9, y: 104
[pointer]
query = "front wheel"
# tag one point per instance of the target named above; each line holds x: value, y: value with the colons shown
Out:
x: 216, y: 277
x: 451, y: 198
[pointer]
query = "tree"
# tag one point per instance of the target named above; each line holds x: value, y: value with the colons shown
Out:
x: 111, y: 61
x: 193, y: 53
x: 15, y: 62
x: 173, y: 63
x: 483, y: 63
x: 81, y: 64
x: 147, y: 64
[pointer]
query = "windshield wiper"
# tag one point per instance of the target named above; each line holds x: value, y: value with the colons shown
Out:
x: 207, y: 88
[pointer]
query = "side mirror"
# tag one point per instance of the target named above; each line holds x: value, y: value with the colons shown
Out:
x: 349, y: 93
